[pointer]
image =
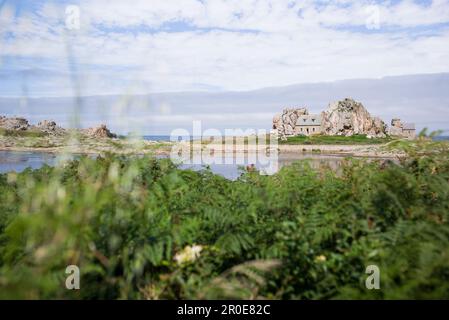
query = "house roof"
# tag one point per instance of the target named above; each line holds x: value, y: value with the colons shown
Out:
x: 309, y: 120
x: 408, y: 126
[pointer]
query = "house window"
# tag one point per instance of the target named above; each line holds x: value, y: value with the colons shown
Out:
x: 313, y: 129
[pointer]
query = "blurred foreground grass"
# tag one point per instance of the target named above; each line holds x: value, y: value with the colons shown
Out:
x: 140, y: 228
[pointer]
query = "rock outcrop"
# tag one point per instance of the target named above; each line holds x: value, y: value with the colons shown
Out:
x: 349, y: 117
x: 50, y: 128
x: 285, y: 123
x: 396, y: 127
x: 14, y: 124
x: 99, y: 132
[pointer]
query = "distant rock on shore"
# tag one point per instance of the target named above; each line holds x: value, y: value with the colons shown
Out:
x: 51, y: 128
x: 14, y: 124
x: 99, y: 132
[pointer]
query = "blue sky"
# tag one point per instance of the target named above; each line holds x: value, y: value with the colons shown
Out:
x: 124, y: 47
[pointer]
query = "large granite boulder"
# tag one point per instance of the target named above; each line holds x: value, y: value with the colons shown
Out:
x: 349, y: 117
x: 49, y: 127
x: 99, y: 132
x: 285, y: 123
x: 14, y: 124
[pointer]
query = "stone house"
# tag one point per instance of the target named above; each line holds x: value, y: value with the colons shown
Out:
x: 409, y: 130
x: 308, y: 125
x: 400, y: 129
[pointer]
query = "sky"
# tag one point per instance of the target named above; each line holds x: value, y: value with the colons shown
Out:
x: 101, y: 47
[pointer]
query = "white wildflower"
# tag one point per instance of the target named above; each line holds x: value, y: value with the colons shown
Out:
x: 188, y: 254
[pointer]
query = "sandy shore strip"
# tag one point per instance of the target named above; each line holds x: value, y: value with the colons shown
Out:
x: 371, y: 151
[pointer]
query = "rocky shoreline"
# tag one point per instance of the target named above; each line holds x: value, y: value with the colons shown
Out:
x: 17, y: 134
x: 20, y: 125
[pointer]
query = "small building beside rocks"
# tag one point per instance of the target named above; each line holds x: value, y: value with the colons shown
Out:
x: 308, y: 125
x: 342, y: 118
x: 404, y: 130
x: 295, y: 122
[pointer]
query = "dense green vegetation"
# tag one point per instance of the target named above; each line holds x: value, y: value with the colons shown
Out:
x: 132, y: 226
x: 335, y: 140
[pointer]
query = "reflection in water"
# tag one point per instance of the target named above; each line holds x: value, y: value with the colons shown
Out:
x: 19, y: 161
x: 230, y: 166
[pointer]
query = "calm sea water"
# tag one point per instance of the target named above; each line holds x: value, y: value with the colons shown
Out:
x: 230, y: 166
x: 167, y: 138
x: 19, y: 161
x: 157, y: 138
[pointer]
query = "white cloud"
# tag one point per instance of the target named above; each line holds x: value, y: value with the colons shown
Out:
x: 293, y: 42
x: 268, y: 15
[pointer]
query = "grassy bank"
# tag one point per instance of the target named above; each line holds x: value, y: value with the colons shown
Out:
x: 334, y: 140
x: 141, y: 228
x: 22, y: 134
x: 74, y: 142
